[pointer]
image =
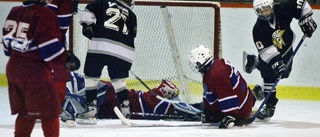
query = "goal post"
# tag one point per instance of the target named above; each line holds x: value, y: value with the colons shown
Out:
x: 167, y: 31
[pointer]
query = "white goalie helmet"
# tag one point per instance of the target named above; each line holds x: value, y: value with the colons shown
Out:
x: 200, y: 59
x: 263, y: 9
x: 168, y: 89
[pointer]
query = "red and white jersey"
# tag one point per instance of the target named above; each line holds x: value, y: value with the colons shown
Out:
x: 64, y: 11
x: 226, y: 91
x: 140, y: 101
x: 32, y: 31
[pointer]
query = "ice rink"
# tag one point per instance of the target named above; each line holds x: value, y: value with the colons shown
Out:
x: 293, y: 118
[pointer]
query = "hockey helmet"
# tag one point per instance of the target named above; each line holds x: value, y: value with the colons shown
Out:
x: 128, y: 2
x: 200, y: 59
x: 168, y: 89
x: 37, y: 1
x: 263, y: 9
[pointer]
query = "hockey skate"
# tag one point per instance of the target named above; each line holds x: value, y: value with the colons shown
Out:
x: 250, y: 62
x: 125, y: 108
x: 67, y: 120
x: 89, y: 116
x: 258, y: 92
x: 266, y: 113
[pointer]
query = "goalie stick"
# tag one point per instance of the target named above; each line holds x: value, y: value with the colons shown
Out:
x: 156, y: 95
x: 166, y: 124
x: 173, y: 116
x: 250, y: 120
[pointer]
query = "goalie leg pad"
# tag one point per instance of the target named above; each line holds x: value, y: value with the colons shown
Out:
x: 65, y: 115
x: 91, y: 113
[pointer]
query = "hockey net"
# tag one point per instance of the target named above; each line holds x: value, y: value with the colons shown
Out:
x: 167, y: 32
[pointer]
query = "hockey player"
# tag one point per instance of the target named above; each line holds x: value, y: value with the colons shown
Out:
x: 31, y: 38
x: 143, y: 105
x: 111, y: 26
x: 227, y: 97
x: 273, y: 39
x: 64, y: 10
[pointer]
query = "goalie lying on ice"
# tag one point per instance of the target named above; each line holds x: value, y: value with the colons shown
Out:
x: 143, y: 105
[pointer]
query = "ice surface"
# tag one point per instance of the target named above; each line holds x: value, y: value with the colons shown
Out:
x: 293, y: 118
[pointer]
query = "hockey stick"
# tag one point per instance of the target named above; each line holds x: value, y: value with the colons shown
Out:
x: 159, y: 124
x: 174, y: 116
x: 250, y: 120
x: 156, y: 95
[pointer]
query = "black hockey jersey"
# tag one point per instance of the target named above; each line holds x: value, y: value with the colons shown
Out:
x: 277, y: 32
x: 114, y: 28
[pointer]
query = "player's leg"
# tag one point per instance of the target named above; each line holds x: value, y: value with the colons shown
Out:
x: 118, y: 71
x: 268, y: 110
x: 92, y: 70
x: 61, y: 88
x: 50, y: 127
x: 24, y: 125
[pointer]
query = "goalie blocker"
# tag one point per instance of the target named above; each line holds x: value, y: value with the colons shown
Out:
x: 141, y: 102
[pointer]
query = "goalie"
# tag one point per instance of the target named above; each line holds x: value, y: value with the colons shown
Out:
x: 143, y: 105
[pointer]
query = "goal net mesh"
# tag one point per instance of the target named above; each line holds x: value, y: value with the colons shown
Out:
x: 167, y: 32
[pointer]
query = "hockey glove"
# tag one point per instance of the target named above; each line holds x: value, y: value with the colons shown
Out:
x: 72, y: 62
x: 87, y: 30
x: 307, y: 25
x: 75, y: 4
x: 280, y: 68
x: 227, y: 122
x: 206, y: 116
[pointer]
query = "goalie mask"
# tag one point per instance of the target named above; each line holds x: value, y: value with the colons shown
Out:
x: 200, y: 59
x: 263, y: 9
x: 168, y: 89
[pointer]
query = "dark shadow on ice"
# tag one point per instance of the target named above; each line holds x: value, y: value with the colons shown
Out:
x: 285, y: 124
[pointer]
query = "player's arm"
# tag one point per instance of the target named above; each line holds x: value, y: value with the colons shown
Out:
x: 227, y: 99
x: 7, y: 37
x: 51, y: 49
x: 304, y: 14
x: 64, y: 14
x: 88, y: 19
x: 268, y: 52
x: 133, y: 24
